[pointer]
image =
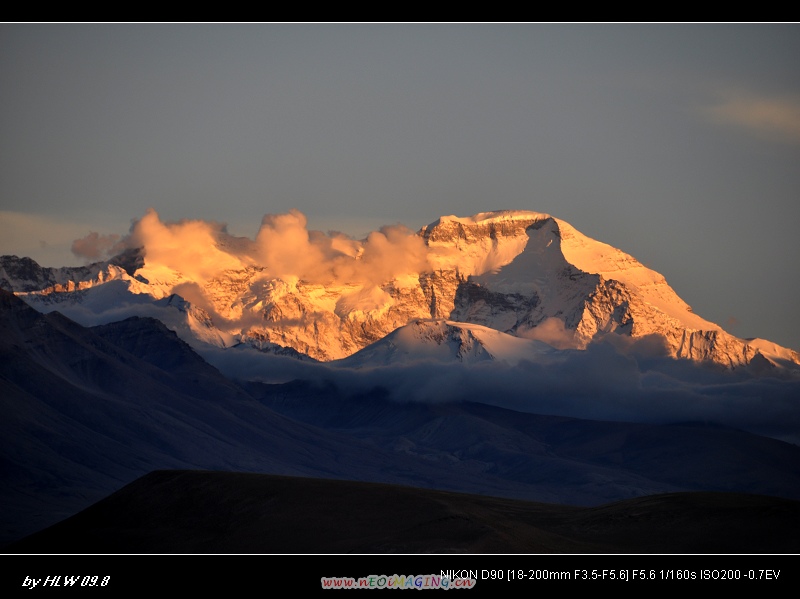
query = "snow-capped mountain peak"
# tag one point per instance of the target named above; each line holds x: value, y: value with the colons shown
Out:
x: 524, y: 275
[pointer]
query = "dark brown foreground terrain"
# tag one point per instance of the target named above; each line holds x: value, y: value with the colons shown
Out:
x: 224, y: 512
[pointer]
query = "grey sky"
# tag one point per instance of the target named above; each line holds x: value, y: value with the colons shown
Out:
x: 679, y: 144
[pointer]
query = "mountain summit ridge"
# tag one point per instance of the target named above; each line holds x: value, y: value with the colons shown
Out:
x: 522, y: 273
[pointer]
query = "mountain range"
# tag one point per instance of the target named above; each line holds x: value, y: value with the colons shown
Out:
x: 503, y: 354
x: 526, y: 275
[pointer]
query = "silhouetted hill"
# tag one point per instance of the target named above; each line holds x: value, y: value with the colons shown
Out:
x: 216, y: 512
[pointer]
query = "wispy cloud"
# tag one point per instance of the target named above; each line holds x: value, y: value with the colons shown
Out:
x: 96, y: 247
x: 776, y: 118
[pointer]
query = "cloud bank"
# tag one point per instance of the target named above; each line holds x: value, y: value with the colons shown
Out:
x: 633, y: 382
x: 283, y: 245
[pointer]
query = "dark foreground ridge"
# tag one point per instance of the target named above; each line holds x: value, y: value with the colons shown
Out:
x: 85, y: 411
x: 184, y: 511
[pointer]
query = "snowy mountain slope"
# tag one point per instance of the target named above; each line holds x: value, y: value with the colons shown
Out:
x: 24, y: 274
x: 525, y: 274
x: 590, y: 288
x: 446, y: 341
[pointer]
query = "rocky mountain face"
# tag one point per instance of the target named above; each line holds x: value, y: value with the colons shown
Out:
x: 25, y: 275
x: 524, y: 274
